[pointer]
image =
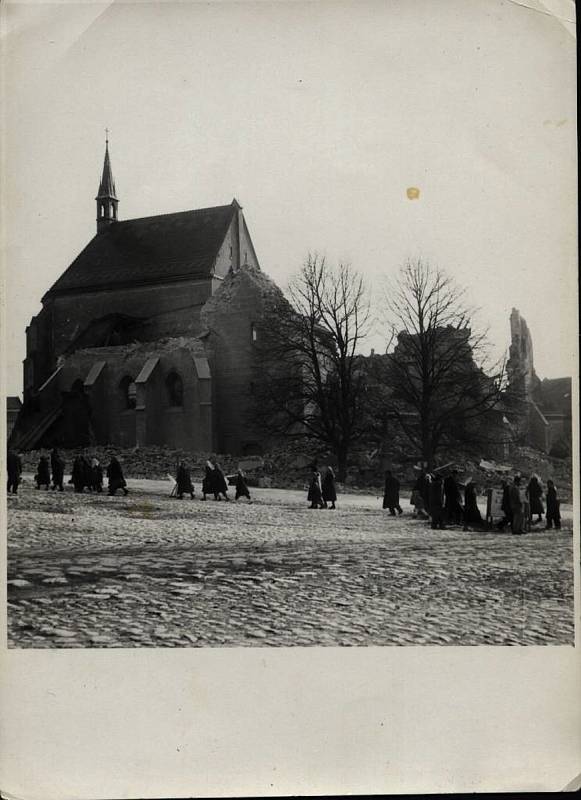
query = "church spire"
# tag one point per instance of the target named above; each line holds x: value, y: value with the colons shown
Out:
x: 106, y: 197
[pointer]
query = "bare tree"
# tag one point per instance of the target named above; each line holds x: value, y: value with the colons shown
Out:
x: 440, y: 386
x: 310, y: 381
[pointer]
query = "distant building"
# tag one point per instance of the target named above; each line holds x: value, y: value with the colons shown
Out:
x: 148, y: 337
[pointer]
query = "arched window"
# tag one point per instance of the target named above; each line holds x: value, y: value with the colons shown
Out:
x: 253, y: 332
x: 128, y: 391
x: 175, y: 390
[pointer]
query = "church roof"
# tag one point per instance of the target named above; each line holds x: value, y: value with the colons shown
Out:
x: 156, y: 249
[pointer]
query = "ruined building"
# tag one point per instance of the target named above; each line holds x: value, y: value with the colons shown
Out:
x: 148, y: 337
x: 546, y: 419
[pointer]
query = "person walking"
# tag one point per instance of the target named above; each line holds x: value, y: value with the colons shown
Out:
x: 57, y: 468
x: 184, y: 482
x: 115, y: 477
x: 535, y: 494
x: 553, y: 507
x: 437, y: 502
x: 391, y: 494
x: 241, y: 486
x: 472, y: 515
x: 96, y: 475
x: 208, y: 481
x: 42, y: 476
x: 516, y: 507
x: 79, y: 474
x: 329, y: 489
x: 453, y: 500
x: 315, y: 495
x: 14, y: 469
x: 221, y: 484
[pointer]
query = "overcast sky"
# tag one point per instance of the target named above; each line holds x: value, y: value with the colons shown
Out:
x: 317, y: 117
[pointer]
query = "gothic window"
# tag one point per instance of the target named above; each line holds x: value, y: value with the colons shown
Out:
x: 128, y: 391
x: 175, y: 390
x: 253, y: 332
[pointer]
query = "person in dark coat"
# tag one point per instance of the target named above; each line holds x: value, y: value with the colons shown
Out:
x: 505, y: 507
x: 516, y: 507
x: 96, y: 475
x: 328, y: 489
x: 472, y: 515
x: 553, y: 507
x: 79, y: 474
x: 42, y: 476
x: 184, y: 482
x: 115, y: 477
x: 315, y: 494
x: 241, y: 486
x: 220, y: 487
x: 208, y: 481
x: 57, y: 468
x: 453, y: 501
x: 535, y: 494
x: 14, y: 469
x: 437, y: 502
x: 391, y: 494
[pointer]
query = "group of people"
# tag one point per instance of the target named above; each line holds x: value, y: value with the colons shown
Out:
x: 214, y: 483
x: 322, y: 490
x: 444, y: 501
x: 87, y: 473
x: 514, y: 504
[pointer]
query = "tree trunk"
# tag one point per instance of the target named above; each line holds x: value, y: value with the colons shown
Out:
x: 341, y: 463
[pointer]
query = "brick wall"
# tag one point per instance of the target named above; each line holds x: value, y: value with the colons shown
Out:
x: 230, y: 316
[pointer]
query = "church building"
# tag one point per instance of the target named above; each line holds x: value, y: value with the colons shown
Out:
x: 149, y: 336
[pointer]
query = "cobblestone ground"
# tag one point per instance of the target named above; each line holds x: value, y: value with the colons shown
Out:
x: 149, y: 570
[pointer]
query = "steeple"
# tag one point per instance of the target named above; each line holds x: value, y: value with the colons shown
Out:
x: 106, y: 197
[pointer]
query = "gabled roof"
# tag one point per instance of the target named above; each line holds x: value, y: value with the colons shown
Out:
x: 156, y: 249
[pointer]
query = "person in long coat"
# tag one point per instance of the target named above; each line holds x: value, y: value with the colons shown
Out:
x: 184, y: 482
x: 79, y: 474
x: 516, y: 507
x: 391, y: 493
x: 315, y: 494
x: 453, y: 504
x: 328, y: 488
x: 208, y: 481
x: 14, y: 469
x: 535, y: 494
x: 472, y: 513
x: 241, y: 486
x: 42, y: 476
x: 437, y: 502
x: 115, y: 477
x: 553, y: 507
x: 221, y: 484
x: 57, y: 468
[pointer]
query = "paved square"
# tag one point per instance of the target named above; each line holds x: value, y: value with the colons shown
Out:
x: 149, y: 570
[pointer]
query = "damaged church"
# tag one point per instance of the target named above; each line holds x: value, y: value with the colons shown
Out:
x: 149, y: 336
